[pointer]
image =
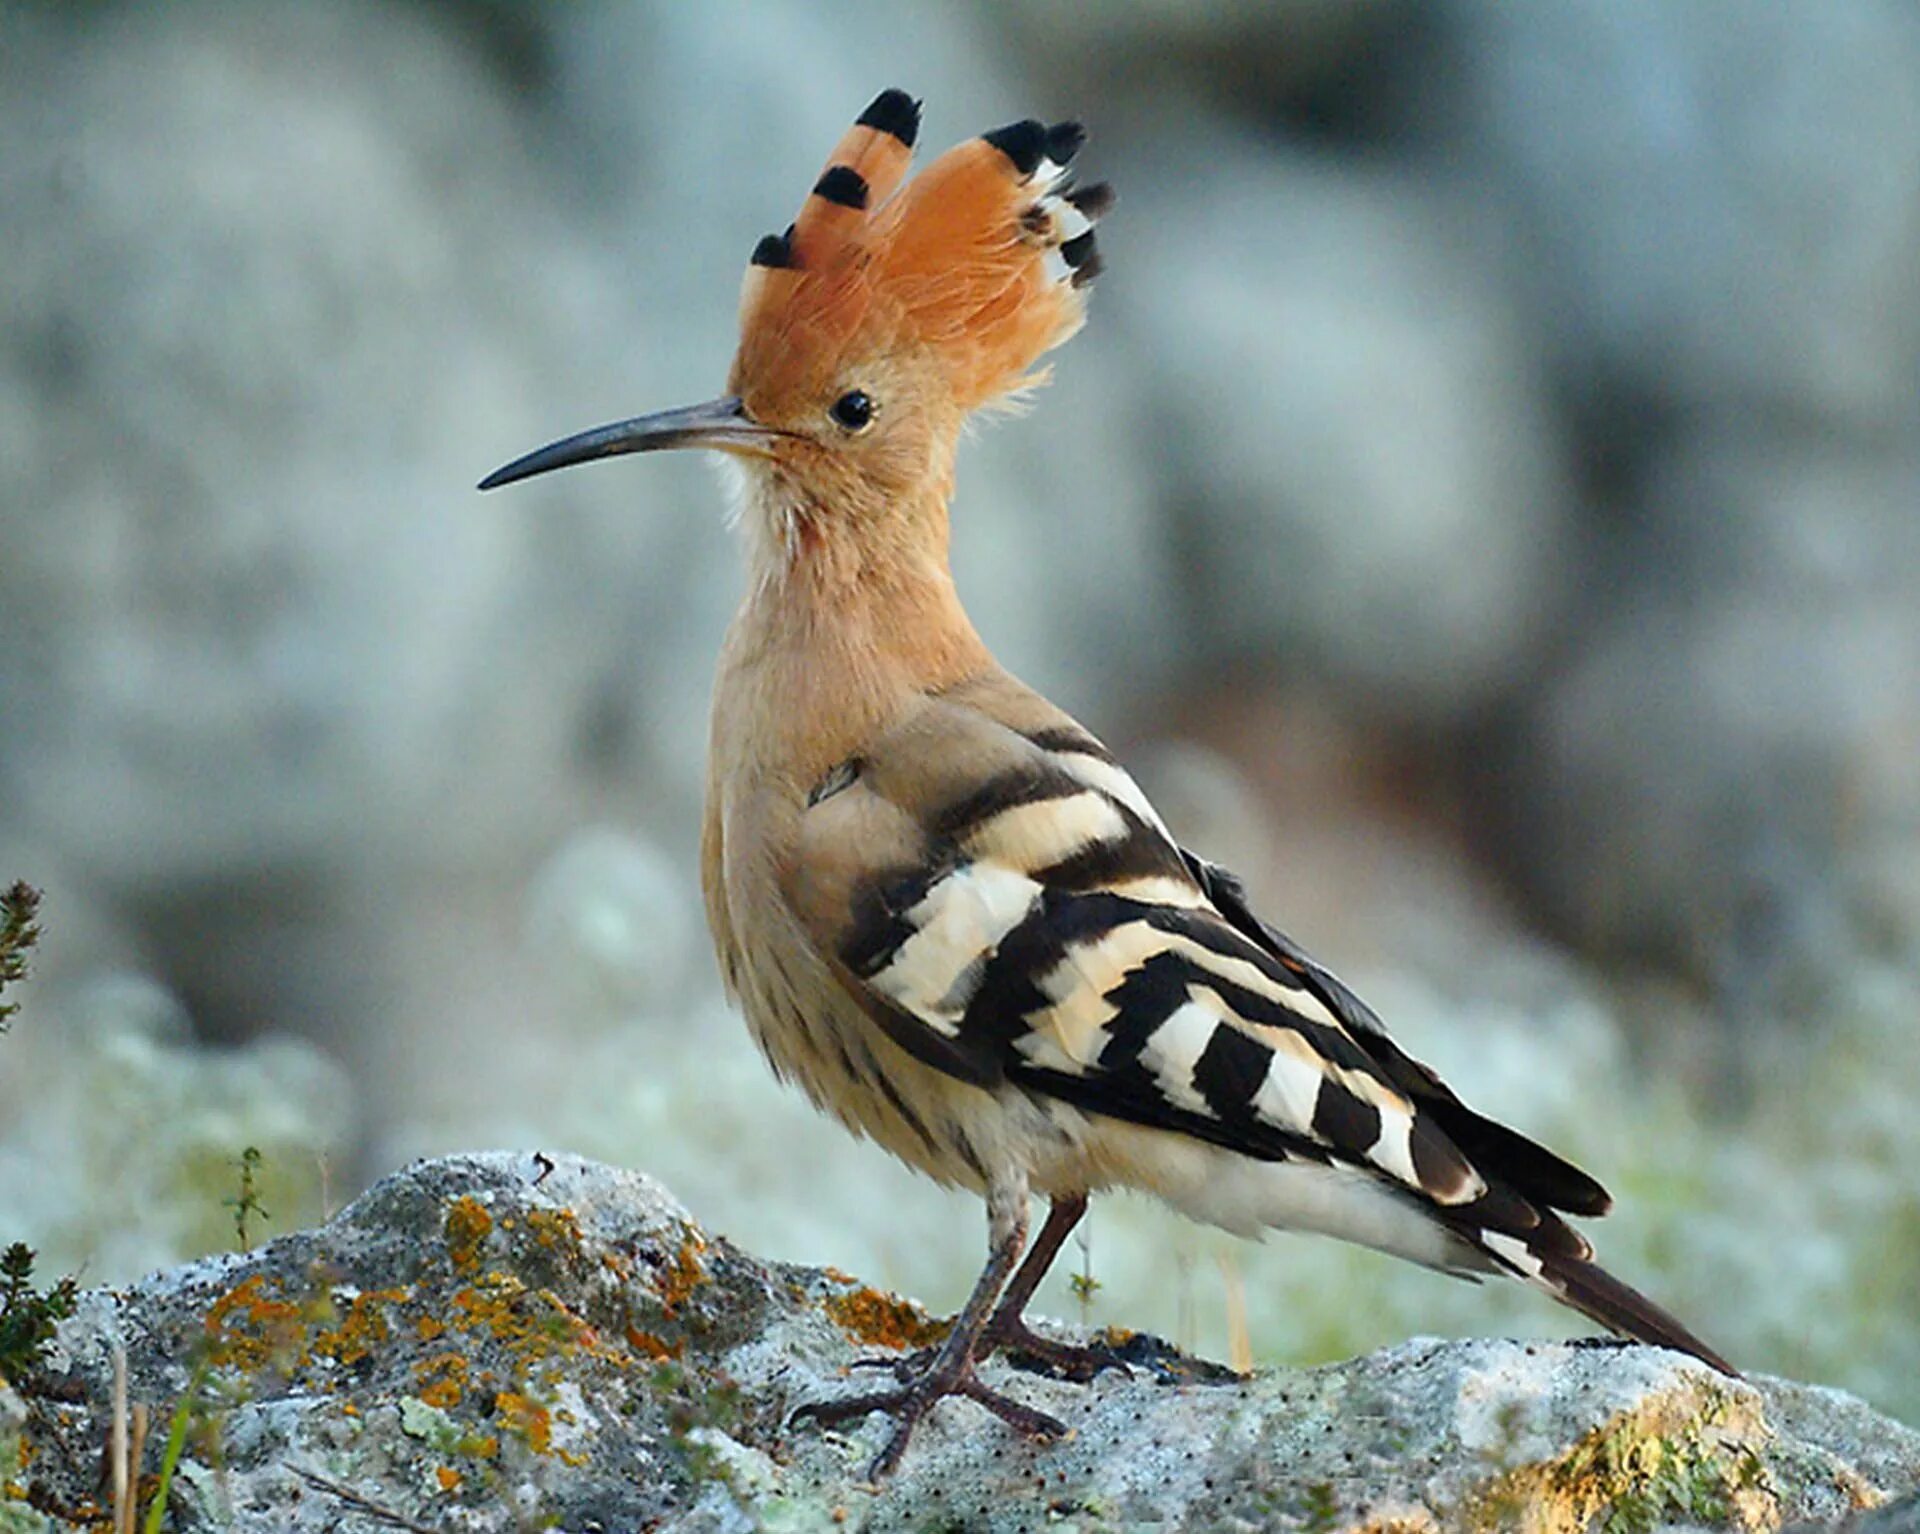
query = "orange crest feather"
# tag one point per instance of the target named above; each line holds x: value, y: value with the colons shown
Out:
x: 981, y: 262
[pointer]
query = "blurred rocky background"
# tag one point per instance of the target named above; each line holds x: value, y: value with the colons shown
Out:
x: 1485, y: 505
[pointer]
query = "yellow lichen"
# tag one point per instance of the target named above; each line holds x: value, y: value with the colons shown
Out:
x: 527, y: 1420
x: 1686, y: 1457
x: 617, y: 1265
x: 362, y: 1329
x: 684, y: 1274
x: 467, y: 1227
x: 248, y: 1329
x: 884, y: 1320
x: 554, y: 1229
x: 534, y: 1323
x: 441, y: 1380
x: 656, y: 1348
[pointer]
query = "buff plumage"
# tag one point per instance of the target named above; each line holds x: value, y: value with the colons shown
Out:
x: 946, y: 911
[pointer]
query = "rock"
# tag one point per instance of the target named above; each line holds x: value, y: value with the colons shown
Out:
x: 506, y: 1341
x: 265, y: 337
x: 1366, y: 486
x: 1737, y: 734
x: 1303, y: 59
x: 1717, y: 205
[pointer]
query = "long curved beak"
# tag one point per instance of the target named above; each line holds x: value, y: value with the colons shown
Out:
x: 719, y: 423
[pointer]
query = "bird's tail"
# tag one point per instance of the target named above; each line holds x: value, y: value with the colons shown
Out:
x: 1545, y: 1251
x: 1597, y: 1294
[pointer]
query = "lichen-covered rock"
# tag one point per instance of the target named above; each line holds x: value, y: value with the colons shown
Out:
x: 513, y: 1341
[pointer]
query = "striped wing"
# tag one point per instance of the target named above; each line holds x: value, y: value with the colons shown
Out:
x: 1004, y: 902
x: 1531, y: 1170
x: 1007, y: 905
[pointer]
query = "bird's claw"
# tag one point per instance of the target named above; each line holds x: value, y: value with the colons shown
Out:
x: 908, y: 1404
x: 1026, y: 1349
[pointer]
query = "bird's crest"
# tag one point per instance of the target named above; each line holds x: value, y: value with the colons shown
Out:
x: 980, y: 262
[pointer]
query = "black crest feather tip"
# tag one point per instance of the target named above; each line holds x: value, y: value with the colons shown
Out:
x: 1064, y: 141
x: 1023, y: 143
x: 894, y: 112
x: 842, y: 185
x: 1077, y: 251
x: 774, y: 250
x: 1095, y: 201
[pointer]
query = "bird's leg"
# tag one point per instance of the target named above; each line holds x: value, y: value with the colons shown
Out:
x: 950, y: 1371
x: 1008, y: 1332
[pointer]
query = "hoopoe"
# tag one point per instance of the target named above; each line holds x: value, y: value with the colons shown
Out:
x: 946, y: 911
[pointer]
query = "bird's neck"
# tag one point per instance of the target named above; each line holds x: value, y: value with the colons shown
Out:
x: 844, y: 627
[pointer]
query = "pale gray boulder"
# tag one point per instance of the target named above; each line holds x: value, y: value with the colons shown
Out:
x: 510, y: 1341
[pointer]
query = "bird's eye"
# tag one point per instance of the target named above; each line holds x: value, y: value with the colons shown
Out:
x: 853, y: 410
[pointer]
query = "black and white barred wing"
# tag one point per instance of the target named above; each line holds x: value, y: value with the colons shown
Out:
x: 1004, y: 902
x: 1009, y: 908
x: 1528, y: 1168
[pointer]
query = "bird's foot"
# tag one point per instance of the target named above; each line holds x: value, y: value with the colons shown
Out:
x: 1023, y: 1347
x: 1027, y: 1349
x: 944, y: 1376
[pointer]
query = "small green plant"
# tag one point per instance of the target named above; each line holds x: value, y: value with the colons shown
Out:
x: 27, y: 1315
x: 247, y: 1205
x: 1083, y: 1284
x: 176, y: 1446
x: 19, y: 905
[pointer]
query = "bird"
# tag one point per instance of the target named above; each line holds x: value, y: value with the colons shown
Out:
x: 945, y: 909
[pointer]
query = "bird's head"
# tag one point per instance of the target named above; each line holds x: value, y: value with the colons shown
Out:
x: 890, y: 310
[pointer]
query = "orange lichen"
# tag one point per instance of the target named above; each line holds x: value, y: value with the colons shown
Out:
x: 364, y: 1327
x: 467, y: 1227
x: 429, y: 1327
x: 884, y: 1320
x: 656, y: 1348
x: 250, y: 1330
x: 684, y: 1274
x: 442, y: 1380
x: 535, y: 1323
x: 448, y: 1477
x: 527, y: 1420
x: 554, y: 1229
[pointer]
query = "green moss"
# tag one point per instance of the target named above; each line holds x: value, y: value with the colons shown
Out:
x: 1685, y: 1459
x: 1322, y: 1509
x: 431, y: 1426
x: 18, y: 1519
